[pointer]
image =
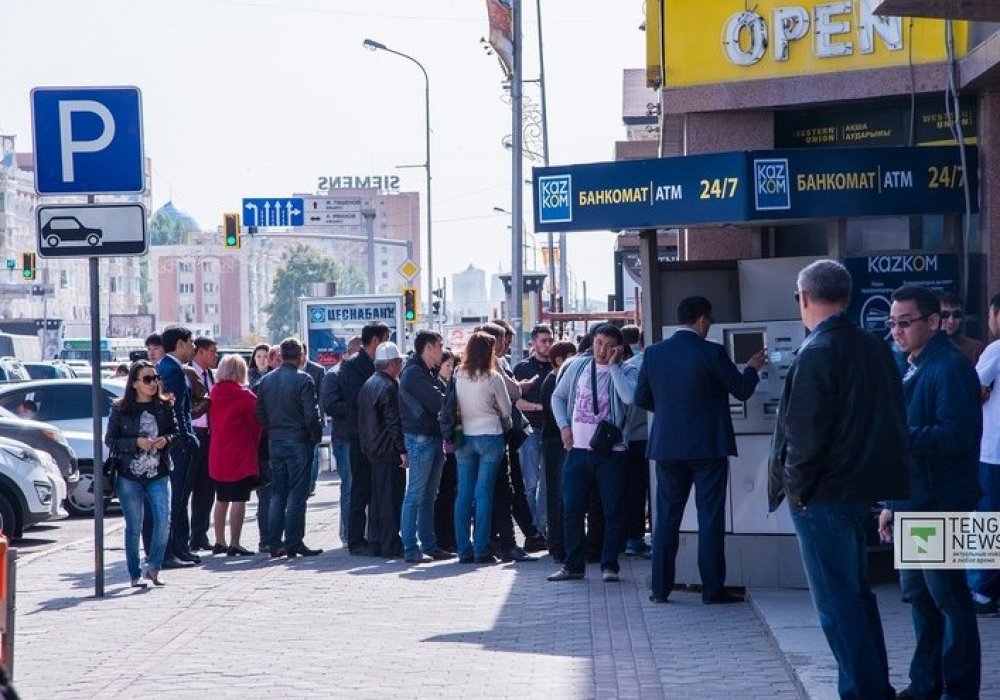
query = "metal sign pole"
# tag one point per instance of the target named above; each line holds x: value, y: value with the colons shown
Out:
x: 95, y: 407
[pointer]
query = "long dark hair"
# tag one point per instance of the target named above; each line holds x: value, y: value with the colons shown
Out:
x: 128, y: 403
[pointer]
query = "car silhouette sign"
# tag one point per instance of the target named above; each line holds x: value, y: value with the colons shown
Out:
x: 68, y: 229
x: 91, y: 230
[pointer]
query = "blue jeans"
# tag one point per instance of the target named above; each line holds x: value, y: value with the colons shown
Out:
x: 832, y: 541
x: 987, y: 581
x: 674, y: 478
x: 342, y: 457
x: 132, y: 495
x: 947, y: 656
x: 531, y: 471
x: 290, y: 465
x: 314, y: 470
x: 426, y: 454
x: 581, y: 468
x: 478, y: 463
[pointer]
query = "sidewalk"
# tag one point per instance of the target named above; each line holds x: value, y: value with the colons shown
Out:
x: 343, y: 626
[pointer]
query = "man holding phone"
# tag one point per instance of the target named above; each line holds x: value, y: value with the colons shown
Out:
x: 686, y: 381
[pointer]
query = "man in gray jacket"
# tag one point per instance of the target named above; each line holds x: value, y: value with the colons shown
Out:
x: 287, y: 408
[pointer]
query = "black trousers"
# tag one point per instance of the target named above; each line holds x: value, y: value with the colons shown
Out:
x: 594, y: 540
x: 444, y: 506
x: 636, y: 490
x: 553, y: 458
x: 388, y: 485
x: 202, y: 491
x: 518, y: 498
x: 361, y: 496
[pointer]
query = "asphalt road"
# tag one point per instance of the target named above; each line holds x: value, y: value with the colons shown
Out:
x: 55, y: 534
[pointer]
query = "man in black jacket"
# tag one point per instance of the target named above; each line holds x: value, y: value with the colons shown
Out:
x: 317, y: 372
x: 340, y: 402
x: 380, y: 430
x: 421, y: 394
x: 840, y: 445
x: 286, y: 407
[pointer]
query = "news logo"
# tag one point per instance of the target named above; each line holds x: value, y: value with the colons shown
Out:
x: 771, y: 184
x: 555, y: 199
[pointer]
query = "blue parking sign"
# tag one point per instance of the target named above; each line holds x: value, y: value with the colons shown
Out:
x: 88, y: 140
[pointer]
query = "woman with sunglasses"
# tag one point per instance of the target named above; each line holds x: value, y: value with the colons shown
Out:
x: 140, y: 430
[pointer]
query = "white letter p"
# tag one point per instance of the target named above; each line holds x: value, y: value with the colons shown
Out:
x: 68, y: 146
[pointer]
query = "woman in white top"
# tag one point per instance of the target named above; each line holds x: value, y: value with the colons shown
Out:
x: 485, y: 408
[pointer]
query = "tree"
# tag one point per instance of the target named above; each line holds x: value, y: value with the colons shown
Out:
x: 302, y: 265
x: 167, y: 230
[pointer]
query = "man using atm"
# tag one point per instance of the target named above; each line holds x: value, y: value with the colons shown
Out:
x: 686, y: 381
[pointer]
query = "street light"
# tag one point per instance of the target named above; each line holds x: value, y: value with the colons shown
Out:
x: 373, y: 45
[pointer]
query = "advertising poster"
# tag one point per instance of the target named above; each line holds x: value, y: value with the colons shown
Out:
x: 330, y: 323
x: 876, y: 277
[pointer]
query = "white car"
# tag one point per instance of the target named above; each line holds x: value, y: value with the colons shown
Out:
x: 27, y: 488
x: 66, y: 404
x: 59, y: 486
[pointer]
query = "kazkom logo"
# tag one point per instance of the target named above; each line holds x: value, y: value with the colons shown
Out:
x: 772, y: 184
x: 555, y: 199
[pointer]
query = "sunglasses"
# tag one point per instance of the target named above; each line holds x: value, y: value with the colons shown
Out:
x: 798, y: 296
x: 149, y: 378
x: 890, y: 324
x: 957, y: 315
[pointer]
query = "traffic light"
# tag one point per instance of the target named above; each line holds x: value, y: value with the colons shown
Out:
x: 410, y: 304
x: 436, y: 307
x: 28, y: 269
x: 231, y: 230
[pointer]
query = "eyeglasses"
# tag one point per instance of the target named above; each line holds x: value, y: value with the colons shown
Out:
x: 904, y: 324
x: 798, y: 296
x: 149, y: 378
x: 956, y: 314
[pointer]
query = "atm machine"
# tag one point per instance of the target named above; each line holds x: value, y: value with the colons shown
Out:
x: 761, y: 548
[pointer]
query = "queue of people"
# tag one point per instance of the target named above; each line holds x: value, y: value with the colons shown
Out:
x: 559, y: 444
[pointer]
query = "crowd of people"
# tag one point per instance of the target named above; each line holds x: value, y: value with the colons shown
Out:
x: 442, y: 456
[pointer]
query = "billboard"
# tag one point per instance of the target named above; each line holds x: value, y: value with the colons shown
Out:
x: 331, y: 322
x: 753, y: 187
x: 875, y: 277
x: 705, y: 43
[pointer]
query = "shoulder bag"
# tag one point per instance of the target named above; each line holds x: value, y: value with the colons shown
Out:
x: 607, y: 434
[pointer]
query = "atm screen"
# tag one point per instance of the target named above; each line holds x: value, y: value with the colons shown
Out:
x: 743, y: 345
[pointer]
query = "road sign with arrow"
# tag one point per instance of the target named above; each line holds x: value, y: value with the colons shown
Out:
x: 273, y: 211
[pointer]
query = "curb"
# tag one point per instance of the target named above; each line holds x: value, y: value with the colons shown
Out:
x: 773, y: 641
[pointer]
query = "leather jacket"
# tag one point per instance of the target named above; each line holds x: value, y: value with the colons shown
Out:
x: 287, y: 407
x: 841, y: 427
x: 123, y: 430
x: 380, y: 428
x: 340, y: 390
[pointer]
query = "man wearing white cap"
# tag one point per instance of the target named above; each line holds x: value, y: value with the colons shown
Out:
x: 380, y: 430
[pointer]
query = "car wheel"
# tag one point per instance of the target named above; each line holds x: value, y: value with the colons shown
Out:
x: 53, y: 241
x: 8, y: 519
x: 93, y: 240
x: 80, y: 497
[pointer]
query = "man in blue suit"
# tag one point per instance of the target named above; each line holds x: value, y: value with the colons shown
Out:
x: 179, y: 348
x: 686, y: 380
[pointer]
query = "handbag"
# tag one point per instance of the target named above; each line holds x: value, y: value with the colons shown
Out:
x: 607, y: 434
x: 109, y: 471
x: 449, y: 416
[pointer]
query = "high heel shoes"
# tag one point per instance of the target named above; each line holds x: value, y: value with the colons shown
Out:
x: 154, y: 578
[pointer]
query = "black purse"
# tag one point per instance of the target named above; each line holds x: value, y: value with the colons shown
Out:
x: 607, y: 434
x: 109, y: 471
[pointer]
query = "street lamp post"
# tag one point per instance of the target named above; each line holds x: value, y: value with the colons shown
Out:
x: 377, y: 46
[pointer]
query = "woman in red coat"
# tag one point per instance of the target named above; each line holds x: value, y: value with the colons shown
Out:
x: 232, y: 454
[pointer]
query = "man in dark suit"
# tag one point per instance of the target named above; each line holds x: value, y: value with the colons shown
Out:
x: 316, y: 371
x: 686, y: 380
x: 179, y: 348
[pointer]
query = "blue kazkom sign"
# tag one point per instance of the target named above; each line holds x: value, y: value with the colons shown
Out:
x: 88, y: 140
x: 754, y: 187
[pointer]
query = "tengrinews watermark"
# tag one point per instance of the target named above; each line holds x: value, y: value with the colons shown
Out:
x: 946, y: 540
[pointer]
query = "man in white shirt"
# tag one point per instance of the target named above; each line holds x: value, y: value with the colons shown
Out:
x: 985, y: 583
x: 202, y: 489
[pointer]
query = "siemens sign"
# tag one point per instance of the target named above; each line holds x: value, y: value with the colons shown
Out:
x: 358, y: 182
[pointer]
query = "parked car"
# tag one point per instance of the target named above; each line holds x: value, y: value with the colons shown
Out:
x: 26, y: 488
x: 81, y: 368
x: 59, y: 490
x: 49, y: 370
x: 66, y: 404
x: 45, y: 437
x: 12, y: 370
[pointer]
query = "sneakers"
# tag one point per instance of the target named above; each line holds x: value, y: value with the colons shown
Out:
x: 515, y: 553
x: 609, y: 576
x: 988, y: 608
x: 638, y: 548
x: 535, y: 543
x: 566, y: 575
